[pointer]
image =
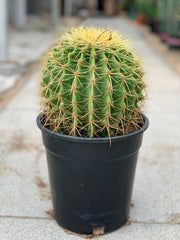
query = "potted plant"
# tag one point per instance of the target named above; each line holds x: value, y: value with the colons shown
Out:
x: 153, y: 18
x: 92, y: 127
x: 129, y: 7
x: 162, y: 15
x: 173, y: 24
x: 142, y: 9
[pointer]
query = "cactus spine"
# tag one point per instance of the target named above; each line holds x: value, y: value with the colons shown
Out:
x: 92, y: 85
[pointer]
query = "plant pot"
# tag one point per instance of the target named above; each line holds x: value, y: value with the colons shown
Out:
x: 163, y: 36
x: 173, y: 42
x: 91, y: 179
x: 141, y: 18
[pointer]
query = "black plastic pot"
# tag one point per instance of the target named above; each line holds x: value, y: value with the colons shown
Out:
x: 91, y: 181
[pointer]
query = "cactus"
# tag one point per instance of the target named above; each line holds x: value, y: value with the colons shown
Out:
x: 92, y: 85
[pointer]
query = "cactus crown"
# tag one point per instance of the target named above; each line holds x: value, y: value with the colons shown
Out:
x: 92, y: 85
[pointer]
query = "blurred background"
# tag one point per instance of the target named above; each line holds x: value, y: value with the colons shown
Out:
x: 28, y: 29
x: 28, y: 25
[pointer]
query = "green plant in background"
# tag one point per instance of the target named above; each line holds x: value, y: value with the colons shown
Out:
x: 129, y: 6
x: 162, y: 15
x: 152, y: 9
x: 153, y: 16
x: 155, y: 13
x: 92, y: 85
x: 149, y: 8
x: 142, y: 6
x: 178, y: 12
x: 173, y: 24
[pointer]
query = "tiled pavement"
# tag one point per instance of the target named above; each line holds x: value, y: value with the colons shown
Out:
x: 25, y: 200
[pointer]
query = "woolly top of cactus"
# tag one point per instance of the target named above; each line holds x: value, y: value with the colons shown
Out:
x: 97, y: 36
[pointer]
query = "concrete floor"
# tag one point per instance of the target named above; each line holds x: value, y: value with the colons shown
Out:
x: 25, y: 200
x: 25, y: 46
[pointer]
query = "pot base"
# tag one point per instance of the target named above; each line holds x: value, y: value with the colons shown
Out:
x: 93, y: 231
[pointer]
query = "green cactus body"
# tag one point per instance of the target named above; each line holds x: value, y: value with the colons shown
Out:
x: 92, y: 85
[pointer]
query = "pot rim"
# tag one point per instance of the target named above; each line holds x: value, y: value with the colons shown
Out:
x: 92, y: 140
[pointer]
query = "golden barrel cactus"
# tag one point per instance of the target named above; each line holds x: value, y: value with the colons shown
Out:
x: 92, y: 85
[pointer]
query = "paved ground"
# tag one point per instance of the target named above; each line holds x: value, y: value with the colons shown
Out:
x: 25, y: 200
x: 172, y: 56
x: 26, y: 45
